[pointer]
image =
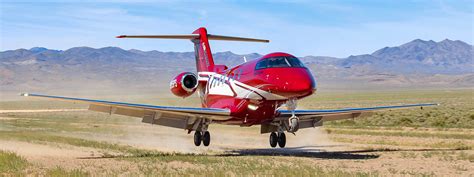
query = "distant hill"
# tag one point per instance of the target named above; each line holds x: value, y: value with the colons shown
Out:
x: 418, y: 56
x: 418, y: 63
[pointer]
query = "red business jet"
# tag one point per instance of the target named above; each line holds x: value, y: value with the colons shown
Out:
x: 261, y: 92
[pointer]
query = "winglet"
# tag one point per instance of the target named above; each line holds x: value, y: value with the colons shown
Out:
x: 24, y: 94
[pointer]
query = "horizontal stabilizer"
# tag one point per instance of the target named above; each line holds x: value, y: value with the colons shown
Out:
x: 178, y: 36
x: 230, y: 38
x: 196, y: 36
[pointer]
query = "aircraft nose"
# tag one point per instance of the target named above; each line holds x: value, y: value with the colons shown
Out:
x: 294, y: 83
x: 299, y: 85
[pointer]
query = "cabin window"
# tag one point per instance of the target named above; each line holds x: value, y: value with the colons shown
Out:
x: 240, y: 73
x: 222, y: 80
x: 279, y: 62
x: 235, y: 74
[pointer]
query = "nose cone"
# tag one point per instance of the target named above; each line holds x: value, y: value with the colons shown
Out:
x: 291, y: 82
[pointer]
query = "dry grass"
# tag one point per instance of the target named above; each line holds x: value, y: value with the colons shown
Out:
x: 11, y: 163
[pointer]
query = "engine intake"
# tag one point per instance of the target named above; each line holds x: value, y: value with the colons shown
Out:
x: 184, y: 84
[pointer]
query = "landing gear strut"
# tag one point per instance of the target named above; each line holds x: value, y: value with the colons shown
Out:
x: 204, y: 137
x: 293, y: 124
x: 277, y: 138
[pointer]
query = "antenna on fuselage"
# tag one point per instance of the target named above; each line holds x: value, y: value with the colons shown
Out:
x: 245, y: 59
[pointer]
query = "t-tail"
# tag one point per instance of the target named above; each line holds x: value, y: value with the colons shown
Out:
x: 202, y: 49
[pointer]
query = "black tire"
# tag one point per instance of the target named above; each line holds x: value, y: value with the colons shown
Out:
x: 206, y: 138
x: 273, y: 139
x: 197, y: 138
x: 282, y: 140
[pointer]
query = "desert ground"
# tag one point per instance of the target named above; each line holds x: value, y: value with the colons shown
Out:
x: 50, y: 138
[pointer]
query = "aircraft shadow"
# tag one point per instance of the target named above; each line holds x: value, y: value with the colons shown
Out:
x: 316, y: 152
x: 301, y: 151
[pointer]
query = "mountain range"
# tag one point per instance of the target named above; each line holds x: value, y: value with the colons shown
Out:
x: 417, y: 63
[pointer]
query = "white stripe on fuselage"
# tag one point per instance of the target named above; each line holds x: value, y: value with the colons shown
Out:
x: 218, y: 84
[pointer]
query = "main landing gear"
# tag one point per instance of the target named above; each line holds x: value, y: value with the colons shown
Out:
x: 204, y: 137
x: 277, y: 138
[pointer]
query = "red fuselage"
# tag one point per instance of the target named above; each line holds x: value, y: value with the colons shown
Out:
x: 253, y: 91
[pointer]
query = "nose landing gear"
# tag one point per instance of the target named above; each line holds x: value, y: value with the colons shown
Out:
x: 291, y: 126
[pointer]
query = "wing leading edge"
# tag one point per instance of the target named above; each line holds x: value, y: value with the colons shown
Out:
x: 177, y: 117
x: 330, y: 111
x: 314, y: 118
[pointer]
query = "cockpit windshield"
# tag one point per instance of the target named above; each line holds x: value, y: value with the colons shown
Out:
x: 279, y: 62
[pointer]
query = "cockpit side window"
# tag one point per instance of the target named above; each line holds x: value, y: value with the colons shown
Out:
x: 279, y: 62
x: 294, y: 62
x: 262, y: 64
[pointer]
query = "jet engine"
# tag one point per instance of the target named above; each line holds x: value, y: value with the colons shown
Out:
x: 184, y: 84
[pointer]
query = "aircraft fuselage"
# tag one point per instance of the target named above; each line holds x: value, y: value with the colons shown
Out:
x: 254, y: 90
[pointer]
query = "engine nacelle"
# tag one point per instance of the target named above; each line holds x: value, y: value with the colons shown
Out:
x: 184, y: 84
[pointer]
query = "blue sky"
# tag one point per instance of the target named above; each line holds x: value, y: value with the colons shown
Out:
x: 323, y: 28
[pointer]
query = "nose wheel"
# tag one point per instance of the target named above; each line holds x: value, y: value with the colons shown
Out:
x: 277, y: 138
x: 204, y: 137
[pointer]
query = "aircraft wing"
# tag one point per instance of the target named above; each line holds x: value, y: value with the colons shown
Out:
x: 314, y: 118
x: 178, y: 117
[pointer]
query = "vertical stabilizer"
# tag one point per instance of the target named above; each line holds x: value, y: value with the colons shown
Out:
x: 202, y: 50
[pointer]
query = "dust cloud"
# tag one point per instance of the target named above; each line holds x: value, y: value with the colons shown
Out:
x: 154, y: 137
x: 310, y: 137
x: 223, y: 138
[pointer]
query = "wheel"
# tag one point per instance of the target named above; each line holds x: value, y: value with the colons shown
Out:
x: 206, y: 138
x: 282, y: 140
x: 273, y: 139
x: 197, y: 138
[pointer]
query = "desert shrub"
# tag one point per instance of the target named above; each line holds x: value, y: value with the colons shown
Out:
x: 405, y: 121
x: 11, y: 162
